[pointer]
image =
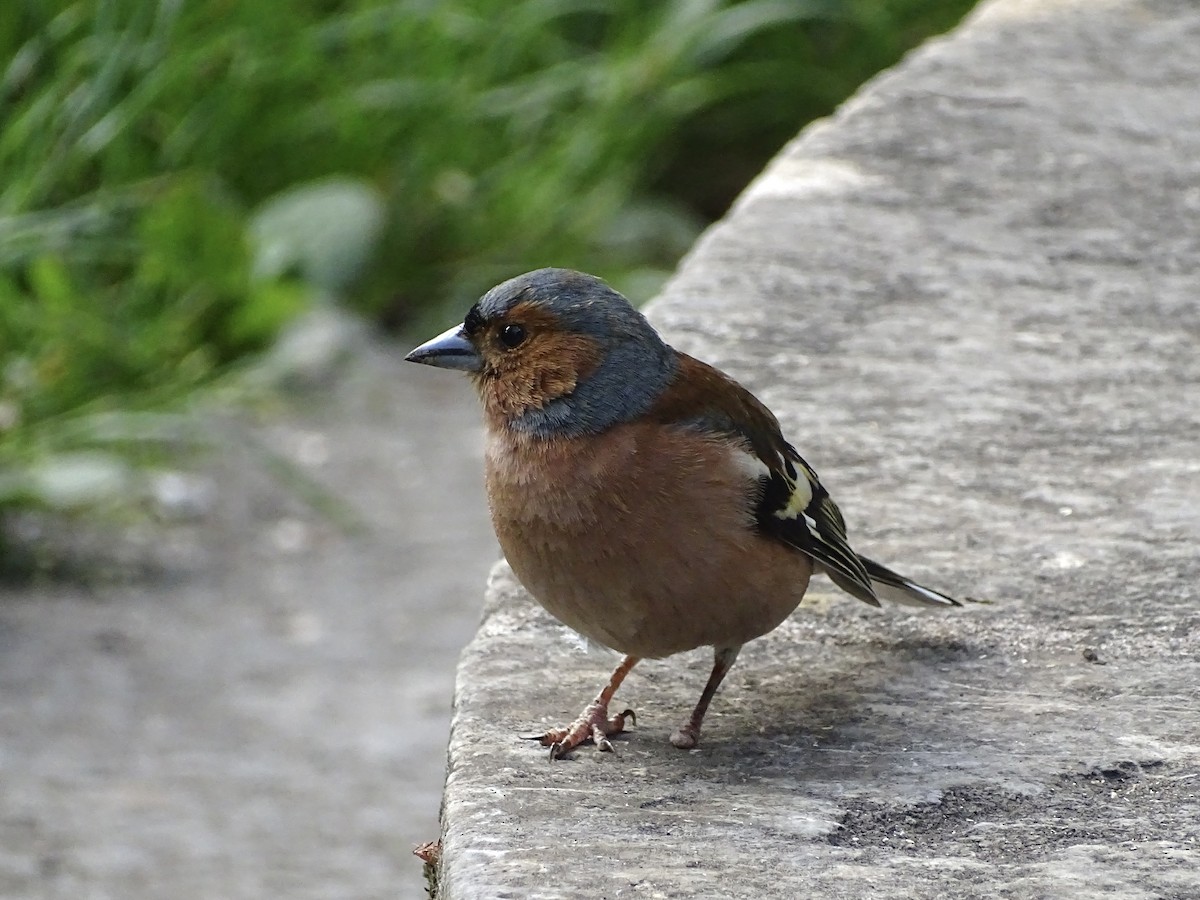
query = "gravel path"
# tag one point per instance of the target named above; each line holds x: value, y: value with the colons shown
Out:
x: 257, y: 704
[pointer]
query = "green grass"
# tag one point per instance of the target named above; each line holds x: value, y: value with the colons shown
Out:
x: 138, y: 140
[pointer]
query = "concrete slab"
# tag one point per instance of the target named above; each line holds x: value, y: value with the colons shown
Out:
x: 971, y: 297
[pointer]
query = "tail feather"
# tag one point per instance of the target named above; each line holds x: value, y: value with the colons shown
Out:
x: 853, y: 588
x: 895, y: 587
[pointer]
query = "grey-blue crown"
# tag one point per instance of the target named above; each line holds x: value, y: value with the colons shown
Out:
x: 636, y: 364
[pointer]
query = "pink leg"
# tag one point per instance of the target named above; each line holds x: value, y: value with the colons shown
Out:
x: 593, y: 723
x: 688, y: 734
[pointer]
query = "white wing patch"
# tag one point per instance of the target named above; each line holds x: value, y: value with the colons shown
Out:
x: 749, y: 464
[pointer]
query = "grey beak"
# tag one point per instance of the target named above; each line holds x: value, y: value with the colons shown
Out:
x: 449, y: 350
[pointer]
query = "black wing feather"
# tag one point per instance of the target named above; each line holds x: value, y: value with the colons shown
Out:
x: 794, y: 506
x: 817, y: 529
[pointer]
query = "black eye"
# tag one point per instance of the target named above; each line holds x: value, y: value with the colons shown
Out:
x: 512, y: 335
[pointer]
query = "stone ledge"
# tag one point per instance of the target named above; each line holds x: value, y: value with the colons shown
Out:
x: 971, y: 298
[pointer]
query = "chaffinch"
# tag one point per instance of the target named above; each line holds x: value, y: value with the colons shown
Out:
x: 644, y: 498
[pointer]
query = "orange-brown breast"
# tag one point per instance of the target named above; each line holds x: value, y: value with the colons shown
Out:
x: 641, y: 538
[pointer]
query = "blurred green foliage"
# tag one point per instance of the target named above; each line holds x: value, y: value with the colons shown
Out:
x: 139, y: 137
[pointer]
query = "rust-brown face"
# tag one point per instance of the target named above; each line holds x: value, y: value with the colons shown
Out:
x: 527, y: 359
x: 556, y: 353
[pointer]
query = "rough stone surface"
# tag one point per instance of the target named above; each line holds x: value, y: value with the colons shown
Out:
x: 971, y: 297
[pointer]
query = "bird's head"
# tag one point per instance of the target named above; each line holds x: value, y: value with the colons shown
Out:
x: 556, y: 353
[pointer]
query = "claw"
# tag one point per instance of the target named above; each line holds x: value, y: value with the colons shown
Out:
x: 600, y: 739
x: 593, y: 724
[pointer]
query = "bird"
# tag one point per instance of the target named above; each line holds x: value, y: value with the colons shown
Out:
x: 643, y: 497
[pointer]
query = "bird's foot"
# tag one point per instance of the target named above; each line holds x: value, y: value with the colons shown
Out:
x: 594, y: 724
x: 686, y: 736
